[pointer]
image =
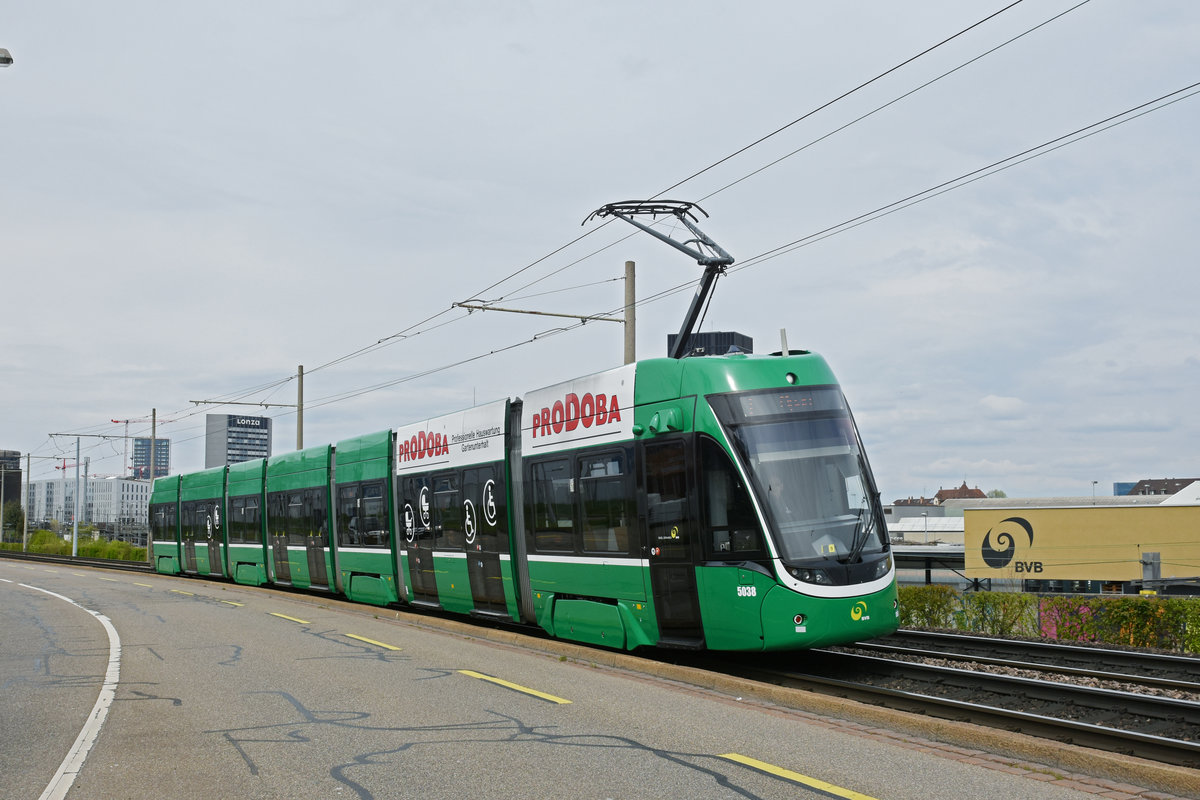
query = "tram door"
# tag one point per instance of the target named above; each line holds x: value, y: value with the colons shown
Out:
x: 671, y: 544
x: 278, y: 525
x: 279, y: 556
x: 416, y: 509
x: 188, y: 532
x: 485, y: 536
x: 316, y: 536
x: 213, y: 536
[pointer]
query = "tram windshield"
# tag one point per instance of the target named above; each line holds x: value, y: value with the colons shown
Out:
x: 807, y: 467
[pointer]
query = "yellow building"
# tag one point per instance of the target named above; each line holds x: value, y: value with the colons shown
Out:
x: 1092, y: 543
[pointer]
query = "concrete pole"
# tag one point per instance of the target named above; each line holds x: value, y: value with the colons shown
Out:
x: 25, y: 504
x: 153, y: 447
x: 630, y: 315
x: 87, y: 490
x: 75, y: 520
x: 300, y: 407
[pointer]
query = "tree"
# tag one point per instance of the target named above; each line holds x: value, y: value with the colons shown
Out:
x: 997, y: 493
x: 14, y: 519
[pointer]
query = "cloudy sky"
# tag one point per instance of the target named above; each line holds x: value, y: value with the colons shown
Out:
x: 197, y: 198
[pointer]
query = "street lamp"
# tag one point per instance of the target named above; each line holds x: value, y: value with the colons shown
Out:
x: 925, y: 524
x: 5, y: 57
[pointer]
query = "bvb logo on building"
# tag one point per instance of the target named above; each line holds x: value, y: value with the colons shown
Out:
x: 998, y: 553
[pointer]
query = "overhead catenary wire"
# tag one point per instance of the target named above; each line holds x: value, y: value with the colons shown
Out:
x: 423, y: 326
x: 879, y: 212
x: 407, y: 333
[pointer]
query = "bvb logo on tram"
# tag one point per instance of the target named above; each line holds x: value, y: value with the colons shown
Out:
x: 1000, y: 552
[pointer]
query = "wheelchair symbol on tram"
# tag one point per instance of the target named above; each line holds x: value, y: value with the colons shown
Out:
x: 489, y: 503
x: 470, y: 522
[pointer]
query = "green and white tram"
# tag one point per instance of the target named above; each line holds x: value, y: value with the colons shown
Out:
x: 721, y: 502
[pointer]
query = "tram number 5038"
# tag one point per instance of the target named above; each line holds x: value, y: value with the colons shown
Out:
x: 747, y: 591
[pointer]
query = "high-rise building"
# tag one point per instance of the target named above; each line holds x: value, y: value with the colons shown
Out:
x: 141, y: 458
x: 230, y: 438
x: 10, y: 476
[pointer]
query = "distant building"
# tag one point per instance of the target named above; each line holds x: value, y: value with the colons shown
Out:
x: 912, y: 507
x: 141, y: 458
x: 961, y: 493
x: 119, y: 506
x: 230, y: 439
x: 1161, y: 486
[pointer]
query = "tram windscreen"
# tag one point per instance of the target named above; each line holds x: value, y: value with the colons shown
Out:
x: 805, y: 462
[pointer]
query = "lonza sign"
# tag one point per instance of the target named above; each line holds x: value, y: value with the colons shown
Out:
x: 1087, y: 543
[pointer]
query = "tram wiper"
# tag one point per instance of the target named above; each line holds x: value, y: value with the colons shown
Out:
x: 857, y: 545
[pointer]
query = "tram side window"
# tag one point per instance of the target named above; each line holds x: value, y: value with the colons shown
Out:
x: 415, y: 509
x: 732, y: 524
x: 297, y: 519
x: 449, y: 511
x: 244, y: 520
x: 605, y: 500
x: 362, y: 515
x: 305, y: 514
x: 552, y: 507
x: 484, y: 488
x: 190, y: 520
x: 317, y: 507
x: 374, y: 515
x: 349, y: 524
x: 164, y: 523
x: 667, y: 491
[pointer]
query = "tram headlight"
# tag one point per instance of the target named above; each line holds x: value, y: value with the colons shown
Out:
x: 883, y: 566
x: 806, y: 575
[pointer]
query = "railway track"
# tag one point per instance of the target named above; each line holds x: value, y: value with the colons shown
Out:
x: 999, y: 692
x: 1139, y: 667
x: 103, y: 563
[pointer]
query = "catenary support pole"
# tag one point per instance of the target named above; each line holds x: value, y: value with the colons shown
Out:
x: 630, y: 315
x: 75, y: 516
x: 26, y: 504
x: 300, y: 407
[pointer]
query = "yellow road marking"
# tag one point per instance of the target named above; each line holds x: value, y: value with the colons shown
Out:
x: 372, y: 641
x: 110, y: 580
x: 230, y: 602
x: 147, y: 585
x: 180, y: 591
x: 290, y: 619
x: 516, y: 687
x: 787, y: 774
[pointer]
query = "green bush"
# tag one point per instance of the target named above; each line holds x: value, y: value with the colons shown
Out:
x: 50, y: 543
x: 928, y: 606
x: 999, y: 613
x: 1165, y: 623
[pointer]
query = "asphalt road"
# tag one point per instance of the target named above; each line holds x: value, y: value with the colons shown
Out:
x: 236, y: 692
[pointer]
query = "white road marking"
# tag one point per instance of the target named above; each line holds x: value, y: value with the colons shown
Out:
x: 61, y: 783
